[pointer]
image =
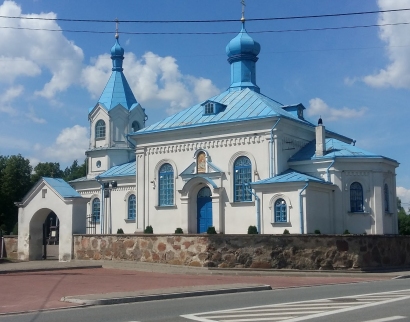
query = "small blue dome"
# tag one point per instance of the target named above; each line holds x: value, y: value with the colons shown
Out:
x: 117, y: 50
x: 243, y: 44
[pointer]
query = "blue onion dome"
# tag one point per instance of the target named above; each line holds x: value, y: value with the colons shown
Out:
x: 243, y: 44
x: 117, y: 50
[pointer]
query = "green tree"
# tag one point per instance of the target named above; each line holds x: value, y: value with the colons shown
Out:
x: 15, y: 174
x: 75, y: 171
x: 403, y: 218
x: 46, y: 169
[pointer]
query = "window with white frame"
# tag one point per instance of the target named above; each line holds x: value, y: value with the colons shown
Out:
x: 96, y: 210
x: 280, y: 211
x: 166, y: 185
x: 386, y: 198
x: 100, y: 130
x: 242, y: 176
x: 132, y: 207
x: 356, y: 197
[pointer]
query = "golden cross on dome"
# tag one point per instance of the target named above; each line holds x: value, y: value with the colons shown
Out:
x: 116, y: 28
x: 243, y: 10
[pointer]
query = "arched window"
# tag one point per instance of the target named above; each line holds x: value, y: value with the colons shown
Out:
x: 356, y: 197
x: 386, y: 197
x: 100, y: 130
x: 96, y: 210
x: 132, y: 203
x: 135, y: 126
x: 242, y: 175
x: 166, y: 185
x: 281, y: 211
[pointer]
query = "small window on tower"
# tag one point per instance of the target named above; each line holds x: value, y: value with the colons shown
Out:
x: 209, y: 108
x: 135, y: 126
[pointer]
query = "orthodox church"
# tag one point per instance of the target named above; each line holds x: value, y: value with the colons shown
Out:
x: 236, y: 160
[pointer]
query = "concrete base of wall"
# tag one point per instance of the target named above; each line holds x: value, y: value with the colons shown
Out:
x: 10, y: 246
x: 303, y: 252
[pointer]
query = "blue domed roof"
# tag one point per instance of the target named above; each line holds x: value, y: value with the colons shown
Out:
x: 117, y: 50
x: 243, y: 44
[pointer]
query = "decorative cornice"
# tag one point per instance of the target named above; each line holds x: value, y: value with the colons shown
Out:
x: 211, y: 144
x: 356, y: 173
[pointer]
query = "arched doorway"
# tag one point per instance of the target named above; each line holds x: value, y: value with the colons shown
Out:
x: 44, y: 235
x: 204, y: 210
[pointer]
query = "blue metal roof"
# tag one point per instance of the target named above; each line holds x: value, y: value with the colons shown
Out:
x: 241, y: 105
x: 334, y: 149
x: 62, y: 188
x: 123, y: 170
x: 289, y: 175
x: 117, y: 91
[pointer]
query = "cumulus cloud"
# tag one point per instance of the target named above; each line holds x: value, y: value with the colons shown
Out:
x: 69, y: 145
x: 317, y: 107
x: 404, y: 195
x: 153, y: 79
x: 25, y: 53
x: 7, y: 97
x: 397, y: 72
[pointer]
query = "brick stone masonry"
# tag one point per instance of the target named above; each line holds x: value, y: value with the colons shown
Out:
x: 307, y: 252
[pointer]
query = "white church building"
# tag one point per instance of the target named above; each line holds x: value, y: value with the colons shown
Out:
x: 237, y: 159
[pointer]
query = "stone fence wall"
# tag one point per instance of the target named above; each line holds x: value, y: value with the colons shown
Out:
x: 9, y: 246
x: 305, y: 252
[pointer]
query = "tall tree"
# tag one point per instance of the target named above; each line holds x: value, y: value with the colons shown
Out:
x: 15, y: 172
x: 403, y: 218
x: 75, y: 171
x: 46, y: 169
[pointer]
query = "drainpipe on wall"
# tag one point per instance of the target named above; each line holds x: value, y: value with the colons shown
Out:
x: 327, y: 170
x: 258, y: 208
x: 272, y: 151
x: 132, y: 144
x: 101, y: 205
x: 301, y: 208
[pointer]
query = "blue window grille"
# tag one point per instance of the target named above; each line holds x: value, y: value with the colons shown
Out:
x: 386, y: 198
x: 281, y: 211
x: 132, y: 205
x: 100, y: 130
x: 356, y: 197
x: 96, y: 210
x: 166, y: 185
x: 242, y: 176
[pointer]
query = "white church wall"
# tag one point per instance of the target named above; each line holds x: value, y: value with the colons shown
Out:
x: 319, y: 210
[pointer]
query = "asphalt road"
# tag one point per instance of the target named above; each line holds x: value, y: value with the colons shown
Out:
x: 349, y: 302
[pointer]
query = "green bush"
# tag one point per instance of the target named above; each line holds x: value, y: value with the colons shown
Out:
x: 16, y: 229
x: 317, y: 232
x: 346, y: 232
x: 120, y: 231
x: 179, y: 231
x: 252, y: 230
x: 286, y: 232
x: 211, y: 230
x: 148, y: 230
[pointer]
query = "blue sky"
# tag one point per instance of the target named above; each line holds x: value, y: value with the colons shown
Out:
x: 357, y: 79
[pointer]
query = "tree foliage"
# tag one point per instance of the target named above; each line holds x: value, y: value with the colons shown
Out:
x: 15, y: 182
x: 404, y: 219
x: 46, y: 169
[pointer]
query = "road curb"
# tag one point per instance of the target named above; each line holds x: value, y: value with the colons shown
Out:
x: 154, y: 297
x: 47, y: 269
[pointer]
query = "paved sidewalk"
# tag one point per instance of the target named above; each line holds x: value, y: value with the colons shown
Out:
x: 33, y: 286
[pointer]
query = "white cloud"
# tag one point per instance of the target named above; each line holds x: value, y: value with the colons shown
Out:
x: 32, y: 116
x: 397, y: 72
x: 153, y: 79
x: 7, y: 97
x: 317, y: 107
x: 26, y: 52
x: 69, y: 145
x: 404, y: 195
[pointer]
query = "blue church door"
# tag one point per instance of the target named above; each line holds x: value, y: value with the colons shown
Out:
x: 204, y: 209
